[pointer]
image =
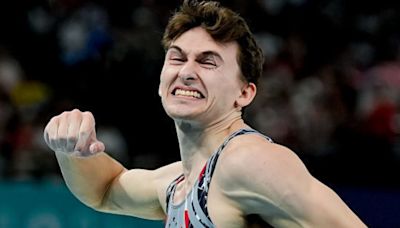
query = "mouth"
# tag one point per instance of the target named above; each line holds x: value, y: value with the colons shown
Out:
x: 187, y: 93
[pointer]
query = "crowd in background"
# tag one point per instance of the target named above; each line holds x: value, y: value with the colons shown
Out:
x: 330, y: 89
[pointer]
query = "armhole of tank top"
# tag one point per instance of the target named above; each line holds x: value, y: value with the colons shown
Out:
x: 212, y: 163
x: 171, y: 190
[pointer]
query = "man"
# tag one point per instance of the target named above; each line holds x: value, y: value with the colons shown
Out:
x: 229, y: 173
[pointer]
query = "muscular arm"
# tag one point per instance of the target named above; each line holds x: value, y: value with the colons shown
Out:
x: 89, y: 178
x: 140, y: 192
x: 97, y: 179
x: 271, y: 181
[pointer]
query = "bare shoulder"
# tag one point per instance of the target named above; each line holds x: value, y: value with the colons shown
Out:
x: 159, y: 177
x: 270, y: 180
x: 164, y: 176
x: 172, y: 169
x: 252, y: 169
x: 252, y: 155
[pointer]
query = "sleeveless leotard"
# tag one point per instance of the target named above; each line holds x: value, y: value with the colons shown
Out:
x: 192, y: 212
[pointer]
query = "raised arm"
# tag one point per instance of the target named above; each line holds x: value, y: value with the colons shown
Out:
x: 95, y: 178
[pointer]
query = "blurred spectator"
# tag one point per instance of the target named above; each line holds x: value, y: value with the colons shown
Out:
x: 330, y: 87
x: 10, y: 76
x: 21, y: 103
x: 116, y: 144
x: 379, y: 103
x: 84, y: 34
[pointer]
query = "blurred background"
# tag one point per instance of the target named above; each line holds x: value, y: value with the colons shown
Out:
x: 330, y: 92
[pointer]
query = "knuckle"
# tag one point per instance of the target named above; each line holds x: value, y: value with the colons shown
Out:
x: 64, y: 113
x: 87, y: 114
x: 74, y: 115
x: 54, y: 119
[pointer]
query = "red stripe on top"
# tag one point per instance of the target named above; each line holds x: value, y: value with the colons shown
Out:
x: 180, y: 179
x: 186, y: 219
x: 202, y: 172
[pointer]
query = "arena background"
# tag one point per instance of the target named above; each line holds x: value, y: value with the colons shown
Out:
x: 330, y: 91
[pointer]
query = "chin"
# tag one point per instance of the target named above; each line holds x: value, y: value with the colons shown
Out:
x: 179, y: 114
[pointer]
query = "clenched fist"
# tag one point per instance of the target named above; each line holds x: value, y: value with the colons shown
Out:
x: 74, y: 133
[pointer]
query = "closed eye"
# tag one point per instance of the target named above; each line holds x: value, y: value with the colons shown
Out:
x: 176, y: 60
x: 208, y: 63
x: 175, y: 55
x: 208, y: 59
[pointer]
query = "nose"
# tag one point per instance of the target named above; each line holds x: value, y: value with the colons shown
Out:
x: 188, y: 72
x: 187, y: 77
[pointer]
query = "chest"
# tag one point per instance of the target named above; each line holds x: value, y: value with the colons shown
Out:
x: 203, y: 207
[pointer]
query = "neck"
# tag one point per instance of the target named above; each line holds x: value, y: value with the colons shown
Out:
x: 198, y: 142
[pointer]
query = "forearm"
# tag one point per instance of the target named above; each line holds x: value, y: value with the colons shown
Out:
x: 89, y: 178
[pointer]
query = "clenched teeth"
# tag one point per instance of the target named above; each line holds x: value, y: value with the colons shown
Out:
x: 187, y: 93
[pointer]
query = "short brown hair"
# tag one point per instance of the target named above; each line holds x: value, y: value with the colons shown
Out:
x: 223, y: 25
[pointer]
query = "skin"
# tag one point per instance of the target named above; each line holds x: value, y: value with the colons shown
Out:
x: 253, y: 176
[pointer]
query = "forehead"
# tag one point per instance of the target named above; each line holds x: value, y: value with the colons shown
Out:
x: 197, y: 40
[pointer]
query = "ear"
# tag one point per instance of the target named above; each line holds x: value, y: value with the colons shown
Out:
x: 247, y: 95
x: 159, y: 90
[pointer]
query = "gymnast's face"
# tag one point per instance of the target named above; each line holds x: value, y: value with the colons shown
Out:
x: 200, y: 79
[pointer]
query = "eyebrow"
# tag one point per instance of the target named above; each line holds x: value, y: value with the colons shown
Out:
x: 202, y: 54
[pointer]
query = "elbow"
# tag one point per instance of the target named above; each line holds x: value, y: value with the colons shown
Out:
x: 97, y: 200
x: 106, y: 202
x: 91, y: 202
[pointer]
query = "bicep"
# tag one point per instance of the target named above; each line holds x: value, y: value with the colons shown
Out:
x: 134, y: 192
x: 140, y: 192
x: 297, y: 198
x: 273, y: 182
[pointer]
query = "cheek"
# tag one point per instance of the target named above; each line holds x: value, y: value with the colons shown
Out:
x: 166, y: 77
x: 159, y: 90
x: 161, y: 86
x: 167, y: 73
x: 227, y: 89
